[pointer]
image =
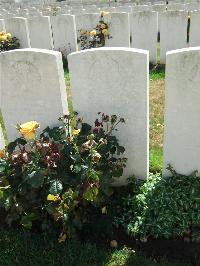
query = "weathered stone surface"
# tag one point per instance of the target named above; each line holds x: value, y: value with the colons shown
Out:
x: 115, y: 81
x: 144, y: 27
x: 64, y: 33
x: 18, y: 27
x: 40, y: 33
x: 2, y: 25
x: 119, y: 30
x: 173, y: 32
x: 32, y: 87
x: 182, y: 109
x: 194, y: 28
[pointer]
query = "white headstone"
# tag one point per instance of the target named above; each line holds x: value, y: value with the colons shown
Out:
x: 182, y: 110
x: 119, y: 30
x: 64, y: 33
x: 32, y: 87
x: 173, y: 32
x: 115, y: 81
x: 144, y: 33
x: 40, y: 33
x: 18, y: 27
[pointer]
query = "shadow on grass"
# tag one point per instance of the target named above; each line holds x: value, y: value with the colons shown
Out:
x: 23, y: 248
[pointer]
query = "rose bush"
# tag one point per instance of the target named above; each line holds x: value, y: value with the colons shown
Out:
x: 49, y: 183
x: 96, y: 37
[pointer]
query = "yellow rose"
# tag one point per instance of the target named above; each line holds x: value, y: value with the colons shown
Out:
x: 75, y: 132
x: 93, y: 33
x: 103, y: 26
x: 2, y: 33
x: 105, y: 32
x: 3, y: 38
x: 103, y: 13
x: 51, y: 197
x: 2, y: 154
x: 83, y: 32
x: 8, y: 35
x: 28, y: 129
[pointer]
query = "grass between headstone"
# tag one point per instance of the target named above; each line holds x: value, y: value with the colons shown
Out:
x: 156, y: 123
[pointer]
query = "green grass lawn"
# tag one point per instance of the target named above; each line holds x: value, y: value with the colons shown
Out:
x: 157, y: 74
x: 26, y: 249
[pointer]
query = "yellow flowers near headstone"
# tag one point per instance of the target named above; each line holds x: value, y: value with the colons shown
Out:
x: 4, y: 36
x: 51, y: 197
x: 105, y: 32
x: 2, y: 154
x: 28, y: 129
x: 83, y: 32
x: 93, y: 33
x: 103, y: 13
x: 103, y: 26
x: 75, y: 132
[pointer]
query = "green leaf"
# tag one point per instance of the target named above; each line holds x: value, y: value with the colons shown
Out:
x: 56, y: 187
x: 1, y: 194
x: 35, y: 179
x: 85, y: 129
x: 11, y: 146
x: 91, y: 193
x: 21, y: 141
x: 77, y: 169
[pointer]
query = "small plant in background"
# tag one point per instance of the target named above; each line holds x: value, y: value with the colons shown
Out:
x: 7, y: 42
x: 49, y: 183
x: 96, y: 37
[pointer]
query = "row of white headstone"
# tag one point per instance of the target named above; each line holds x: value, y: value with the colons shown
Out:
x: 57, y: 8
x: 113, y: 81
x: 137, y: 30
